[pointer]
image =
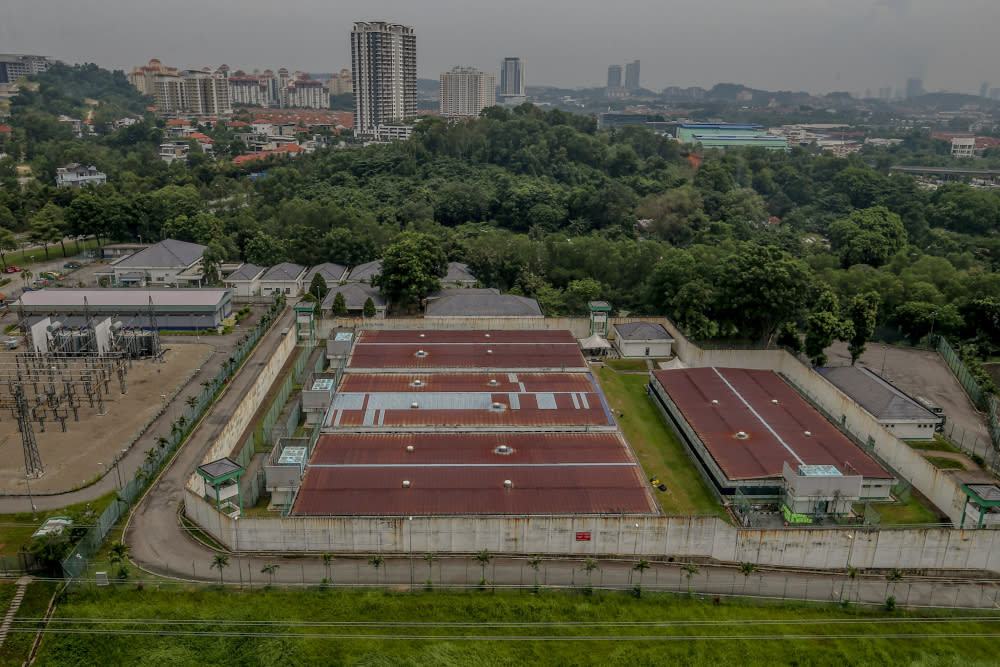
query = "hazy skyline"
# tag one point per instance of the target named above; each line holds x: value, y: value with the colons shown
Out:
x: 814, y: 45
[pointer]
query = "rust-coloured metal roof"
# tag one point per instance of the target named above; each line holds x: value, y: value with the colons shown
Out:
x: 469, y: 448
x: 500, y: 382
x: 433, y: 490
x: 775, y: 432
x: 467, y: 355
x: 466, y: 336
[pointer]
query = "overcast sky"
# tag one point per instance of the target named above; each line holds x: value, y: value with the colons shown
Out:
x: 814, y: 45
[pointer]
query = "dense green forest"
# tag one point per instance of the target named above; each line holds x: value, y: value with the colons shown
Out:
x: 750, y: 246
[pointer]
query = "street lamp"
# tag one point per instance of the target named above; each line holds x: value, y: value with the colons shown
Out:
x: 635, y: 552
x: 34, y: 515
x: 409, y: 546
x: 118, y: 457
x: 239, y: 559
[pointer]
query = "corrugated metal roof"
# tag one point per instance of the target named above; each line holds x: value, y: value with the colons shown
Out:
x: 473, y: 490
x: 528, y: 414
x: 126, y: 298
x: 469, y: 355
x: 466, y: 336
x: 774, y: 432
x: 465, y: 382
x: 881, y: 399
x: 469, y: 448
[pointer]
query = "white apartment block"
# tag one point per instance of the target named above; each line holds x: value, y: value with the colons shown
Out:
x: 309, y: 93
x: 465, y: 92
x: 384, y: 62
x: 963, y: 147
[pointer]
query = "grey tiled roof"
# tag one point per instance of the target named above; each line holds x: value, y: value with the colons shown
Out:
x: 461, y: 304
x: 220, y: 467
x: 458, y: 272
x: 332, y: 273
x: 884, y: 401
x: 365, y: 271
x: 642, y: 331
x: 168, y: 253
x: 246, y: 272
x: 284, y: 271
x: 355, y: 295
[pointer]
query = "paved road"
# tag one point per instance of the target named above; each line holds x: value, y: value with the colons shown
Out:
x: 136, y: 455
x: 153, y: 530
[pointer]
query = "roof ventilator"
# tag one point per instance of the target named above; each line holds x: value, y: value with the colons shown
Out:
x: 507, y: 484
x: 504, y: 450
x: 414, y: 405
x: 715, y: 402
x: 406, y: 483
x: 409, y: 449
x: 421, y: 353
x: 489, y: 351
x: 741, y: 435
x: 493, y: 382
x: 774, y: 401
x: 417, y: 383
x: 807, y: 433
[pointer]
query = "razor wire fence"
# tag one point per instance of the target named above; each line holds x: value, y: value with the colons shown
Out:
x: 166, y: 445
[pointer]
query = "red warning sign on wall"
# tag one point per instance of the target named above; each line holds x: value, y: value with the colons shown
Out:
x: 583, y: 537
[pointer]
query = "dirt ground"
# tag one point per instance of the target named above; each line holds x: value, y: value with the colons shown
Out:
x: 73, y: 458
x: 918, y: 373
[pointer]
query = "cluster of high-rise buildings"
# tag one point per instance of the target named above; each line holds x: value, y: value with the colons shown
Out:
x: 208, y: 92
x: 615, y: 87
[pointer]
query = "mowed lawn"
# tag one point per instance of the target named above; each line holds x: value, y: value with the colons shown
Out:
x: 657, y: 448
x: 125, y: 626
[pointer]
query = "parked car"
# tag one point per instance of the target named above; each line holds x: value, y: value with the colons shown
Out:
x: 39, y: 283
x: 12, y: 269
x: 11, y: 343
x: 72, y: 265
x: 50, y: 275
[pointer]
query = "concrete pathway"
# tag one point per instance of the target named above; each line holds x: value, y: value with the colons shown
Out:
x: 153, y: 531
x: 15, y: 604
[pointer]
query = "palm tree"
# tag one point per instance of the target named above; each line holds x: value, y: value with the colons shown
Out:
x: 484, y: 557
x: 118, y: 554
x: 182, y: 421
x: 220, y: 561
x: 429, y: 558
x: 327, y: 562
x: 162, y: 441
x: 894, y: 577
x: 852, y: 574
x: 746, y: 569
x: 376, y: 561
x: 690, y: 569
x: 641, y: 566
x: 269, y: 570
x: 191, y: 401
x: 589, y: 566
x: 534, y: 563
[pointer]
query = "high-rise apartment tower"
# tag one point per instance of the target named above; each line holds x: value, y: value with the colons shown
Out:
x: 384, y: 61
x: 465, y: 91
x: 632, y: 76
x: 614, y: 76
x: 512, y: 81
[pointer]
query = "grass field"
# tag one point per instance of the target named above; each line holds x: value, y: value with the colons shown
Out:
x: 627, y: 364
x: 36, y: 601
x: 152, y: 627
x: 23, y: 258
x: 938, y: 444
x: 657, y: 448
x: 16, y: 529
x: 942, y: 463
x: 913, y: 511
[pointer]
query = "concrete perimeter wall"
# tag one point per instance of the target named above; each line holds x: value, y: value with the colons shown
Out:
x: 240, y: 419
x: 682, y: 538
x: 578, y: 326
x: 660, y: 537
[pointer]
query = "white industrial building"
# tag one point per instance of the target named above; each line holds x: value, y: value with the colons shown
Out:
x: 905, y: 417
x: 642, y: 339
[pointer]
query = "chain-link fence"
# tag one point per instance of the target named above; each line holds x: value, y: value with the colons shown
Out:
x: 76, y: 562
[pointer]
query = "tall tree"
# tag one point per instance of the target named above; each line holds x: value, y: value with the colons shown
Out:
x: 822, y: 327
x: 412, y: 268
x: 46, y: 227
x: 868, y: 236
x: 863, y: 312
x: 318, y: 287
x: 8, y: 242
x: 339, y: 308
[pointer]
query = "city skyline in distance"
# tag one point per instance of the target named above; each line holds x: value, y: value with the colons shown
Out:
x: 814, y: 45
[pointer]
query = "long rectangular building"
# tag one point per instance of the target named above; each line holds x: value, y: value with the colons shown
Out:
x: 460, y: 422
x: 745, y: 429
x: 171, y: 308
